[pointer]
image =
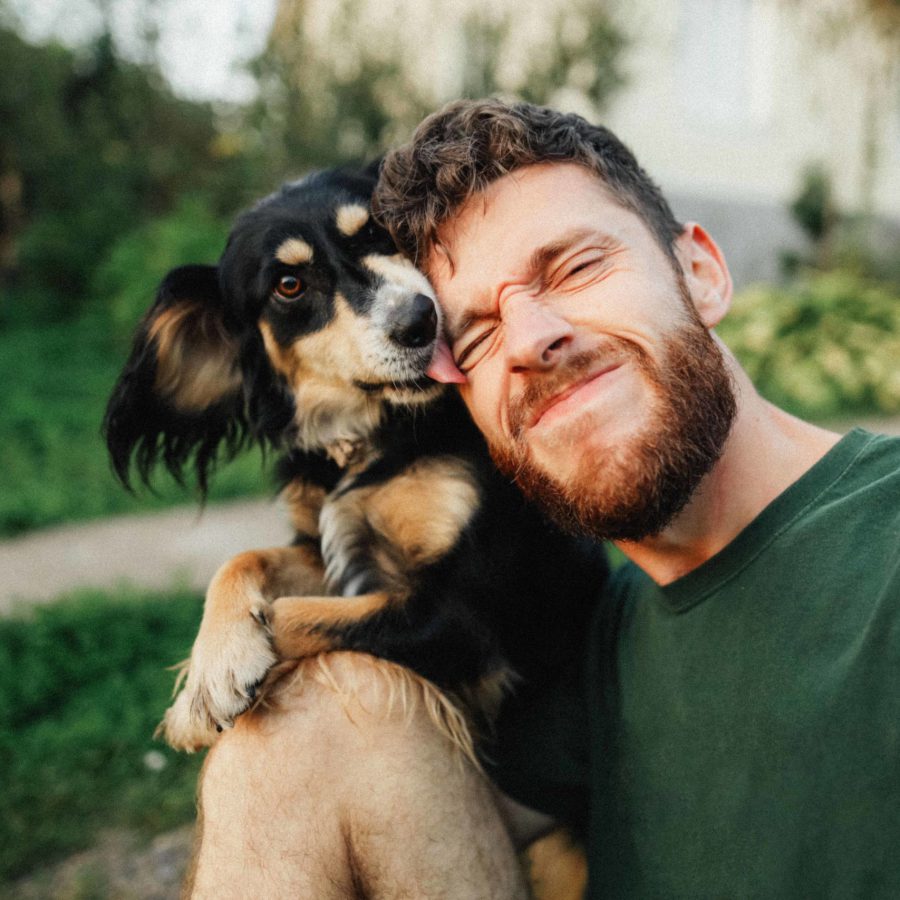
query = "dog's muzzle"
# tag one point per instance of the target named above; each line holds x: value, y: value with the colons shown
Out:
x: 415, y: 324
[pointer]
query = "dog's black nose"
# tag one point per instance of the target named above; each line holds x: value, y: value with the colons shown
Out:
x: 416, y: 324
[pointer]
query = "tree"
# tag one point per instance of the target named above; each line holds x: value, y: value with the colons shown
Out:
x: 92, y: 145
x: 341, y: 82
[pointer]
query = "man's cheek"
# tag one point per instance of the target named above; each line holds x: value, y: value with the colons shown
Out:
x: 485, y: 410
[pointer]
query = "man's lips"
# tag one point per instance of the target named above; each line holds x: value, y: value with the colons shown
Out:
x: 550, y: 403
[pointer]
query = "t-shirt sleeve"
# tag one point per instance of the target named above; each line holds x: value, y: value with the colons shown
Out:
x: 540, y: 753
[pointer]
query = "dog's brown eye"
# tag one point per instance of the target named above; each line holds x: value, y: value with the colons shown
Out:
x: 289, y: 287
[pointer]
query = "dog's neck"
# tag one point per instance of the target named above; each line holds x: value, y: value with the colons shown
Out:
x: 328, y: 422
x: 348, y: 453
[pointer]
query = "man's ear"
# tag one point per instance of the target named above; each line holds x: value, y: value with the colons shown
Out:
x: 180, y: 393
x: 705, y: 273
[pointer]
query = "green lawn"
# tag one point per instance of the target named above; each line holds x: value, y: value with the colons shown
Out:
x: 56, y: 381
x: 83, y: 684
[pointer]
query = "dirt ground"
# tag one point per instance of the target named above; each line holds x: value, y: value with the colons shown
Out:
x: 118, y: 867
x: 183, y: 545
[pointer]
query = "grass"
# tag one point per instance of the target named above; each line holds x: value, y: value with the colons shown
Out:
x: 83, y: 684
x: 56, y: 383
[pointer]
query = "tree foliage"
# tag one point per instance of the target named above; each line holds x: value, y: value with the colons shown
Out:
x: 352, y: 86
x: 824, y: 345
x: 95, y: 145
x: 92, y: 146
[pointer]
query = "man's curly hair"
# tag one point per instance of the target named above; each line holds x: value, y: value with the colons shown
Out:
x: 456, y: 152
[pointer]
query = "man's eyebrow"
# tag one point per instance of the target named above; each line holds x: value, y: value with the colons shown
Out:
x: 541, y: 258
x: 538, y: 262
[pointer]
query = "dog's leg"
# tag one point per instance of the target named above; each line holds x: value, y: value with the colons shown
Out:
x: 233, y: 650
x: 305, y: 626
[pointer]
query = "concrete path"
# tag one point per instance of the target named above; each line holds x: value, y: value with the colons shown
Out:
x: 159, y: 550
x: 156, y: 550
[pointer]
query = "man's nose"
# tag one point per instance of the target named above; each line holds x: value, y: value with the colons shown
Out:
x: 535, y: 337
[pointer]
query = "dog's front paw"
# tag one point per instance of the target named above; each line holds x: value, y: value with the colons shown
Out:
x: 227, y: 666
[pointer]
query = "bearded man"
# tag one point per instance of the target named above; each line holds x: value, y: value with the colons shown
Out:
x: 731, y: 727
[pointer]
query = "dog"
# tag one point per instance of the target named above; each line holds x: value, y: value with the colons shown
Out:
x: 312, y: 336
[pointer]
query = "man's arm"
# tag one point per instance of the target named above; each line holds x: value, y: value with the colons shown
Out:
x: 331, y: 794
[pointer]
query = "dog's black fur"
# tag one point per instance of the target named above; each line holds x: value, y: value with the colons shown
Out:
x: 223, y: 359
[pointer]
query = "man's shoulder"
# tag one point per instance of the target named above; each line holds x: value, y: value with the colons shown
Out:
x: 878, y: 455
x: 871, y: 478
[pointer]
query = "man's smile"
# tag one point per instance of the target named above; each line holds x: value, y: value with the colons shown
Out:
x: 571, y: 397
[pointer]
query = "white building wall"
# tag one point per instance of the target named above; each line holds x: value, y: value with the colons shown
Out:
x: 731, y: 99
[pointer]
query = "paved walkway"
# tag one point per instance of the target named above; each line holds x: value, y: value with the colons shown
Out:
x: 158, y: 550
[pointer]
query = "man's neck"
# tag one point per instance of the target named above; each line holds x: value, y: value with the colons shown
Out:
x: 766, y: 452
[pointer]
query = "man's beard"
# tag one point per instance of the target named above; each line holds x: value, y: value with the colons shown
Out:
x: 638, y: 488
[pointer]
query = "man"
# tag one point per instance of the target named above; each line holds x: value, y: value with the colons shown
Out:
x: 732, y: 726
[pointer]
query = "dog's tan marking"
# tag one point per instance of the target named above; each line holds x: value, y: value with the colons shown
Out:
x: 294, y: 252
x: 423, y: 510
x: 557, y: 868
x: 300, y: 624
x: 264, y: 574
x: 335, y: 352
x: 348, y: 454
x: 304, y: 502
x: 319, y: 368
x: 233, y: 651
x: 398, y: 271
x: 331, y: 355
x: 351, y: 218
x: 281, y: 357
x: 196, y: 359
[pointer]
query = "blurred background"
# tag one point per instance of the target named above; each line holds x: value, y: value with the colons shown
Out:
x: 131, y: 131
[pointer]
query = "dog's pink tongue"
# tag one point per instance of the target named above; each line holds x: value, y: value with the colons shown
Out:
x: 442, y: 367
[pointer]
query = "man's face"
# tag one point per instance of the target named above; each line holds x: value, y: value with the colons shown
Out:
x: 588, y: 369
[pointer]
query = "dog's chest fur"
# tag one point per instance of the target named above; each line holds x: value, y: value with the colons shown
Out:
x: 425, y: 517
x: 382, y: 510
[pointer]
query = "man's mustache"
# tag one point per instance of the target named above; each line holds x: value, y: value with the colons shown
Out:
x: 540, y: 390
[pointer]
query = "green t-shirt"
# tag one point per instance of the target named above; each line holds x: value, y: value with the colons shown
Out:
x: 737, y: 733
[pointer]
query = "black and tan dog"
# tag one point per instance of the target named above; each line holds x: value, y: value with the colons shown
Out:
x: 313, y: 336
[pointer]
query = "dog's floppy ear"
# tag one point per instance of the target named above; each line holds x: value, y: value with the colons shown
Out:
x: 179, y: 394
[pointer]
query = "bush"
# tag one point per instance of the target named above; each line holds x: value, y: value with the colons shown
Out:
x: 125, y: 283
x: 83, y: 684
x: 826, y: 345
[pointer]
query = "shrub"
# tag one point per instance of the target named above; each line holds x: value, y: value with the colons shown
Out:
x: 826, y: 345
x: 125, y: 283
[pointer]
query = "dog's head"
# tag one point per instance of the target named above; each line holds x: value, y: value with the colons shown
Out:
x: 307, y: 331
